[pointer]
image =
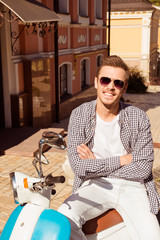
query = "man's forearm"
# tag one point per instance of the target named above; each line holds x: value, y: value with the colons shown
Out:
x: 85, y: 153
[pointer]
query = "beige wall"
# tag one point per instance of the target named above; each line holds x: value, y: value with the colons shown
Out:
x: 126, y: 41
x: 127, y: 22
x: 134, y: 38
x: 126, y: 37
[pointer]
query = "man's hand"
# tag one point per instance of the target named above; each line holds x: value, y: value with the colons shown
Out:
x: 84, y: 152
x: 125, y: 159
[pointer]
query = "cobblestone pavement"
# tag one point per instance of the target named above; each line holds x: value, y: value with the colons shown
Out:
x: 149, y: 102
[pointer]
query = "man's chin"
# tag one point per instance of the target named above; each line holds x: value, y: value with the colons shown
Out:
x: 111, y: 105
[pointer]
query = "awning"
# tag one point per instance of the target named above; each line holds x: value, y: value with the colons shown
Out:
x: 31, y: 11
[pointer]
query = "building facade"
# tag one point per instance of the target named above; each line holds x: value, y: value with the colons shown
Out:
x: 134, y: 34
x: 28, y: 59
x: 158, y: 73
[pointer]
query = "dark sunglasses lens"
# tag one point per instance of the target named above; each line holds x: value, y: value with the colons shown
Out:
x: 105, y: 81
x: 118, y: 84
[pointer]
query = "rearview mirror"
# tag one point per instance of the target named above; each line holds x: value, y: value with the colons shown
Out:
x: 54, y: 140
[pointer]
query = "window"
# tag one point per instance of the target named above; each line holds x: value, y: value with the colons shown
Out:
x: 41, y: 92
x: 63, y: 81
x: 83, y: 74
x: 83, y: 8
x: 99, y: 60
x: 62, y: 6
x: 98, y: 8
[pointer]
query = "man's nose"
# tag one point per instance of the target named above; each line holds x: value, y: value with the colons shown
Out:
x: 111, y: 85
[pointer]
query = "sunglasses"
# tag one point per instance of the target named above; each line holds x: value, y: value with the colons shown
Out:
x: 104, y: 81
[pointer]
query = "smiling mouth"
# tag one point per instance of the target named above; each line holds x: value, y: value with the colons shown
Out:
x: 108, y: 94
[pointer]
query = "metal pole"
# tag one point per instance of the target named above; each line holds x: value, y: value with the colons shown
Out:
x: 109, y: 25
x: 56, y: 70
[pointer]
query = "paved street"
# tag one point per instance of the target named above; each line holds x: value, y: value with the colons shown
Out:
x: 18, y: 161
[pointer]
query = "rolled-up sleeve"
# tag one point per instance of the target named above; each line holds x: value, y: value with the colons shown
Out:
x: 141, y: 149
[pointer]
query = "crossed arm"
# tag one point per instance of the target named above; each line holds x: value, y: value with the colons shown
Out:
x: 85, y: 153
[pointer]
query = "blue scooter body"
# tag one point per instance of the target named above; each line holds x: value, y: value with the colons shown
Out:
x: 51, y: 225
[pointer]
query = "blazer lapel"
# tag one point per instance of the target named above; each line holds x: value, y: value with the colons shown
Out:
x: 91, y: 123
x: 125, y: 130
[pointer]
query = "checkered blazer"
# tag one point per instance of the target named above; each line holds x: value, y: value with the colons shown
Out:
x: 136, y: 138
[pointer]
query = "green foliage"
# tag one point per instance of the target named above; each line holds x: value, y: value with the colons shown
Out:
x: 155, y: 2
x: 136, y: 83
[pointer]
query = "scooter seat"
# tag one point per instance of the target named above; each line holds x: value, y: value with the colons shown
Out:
x: 102, y: 222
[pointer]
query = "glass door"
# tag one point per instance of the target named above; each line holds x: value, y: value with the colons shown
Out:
x: 41, y: 93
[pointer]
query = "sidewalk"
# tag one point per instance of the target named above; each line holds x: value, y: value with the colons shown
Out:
x: 14, y: 161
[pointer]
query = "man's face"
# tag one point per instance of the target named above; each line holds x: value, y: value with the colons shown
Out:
x: 109, y: 95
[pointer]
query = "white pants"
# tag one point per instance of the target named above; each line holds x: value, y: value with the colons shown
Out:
x: 96, y: 196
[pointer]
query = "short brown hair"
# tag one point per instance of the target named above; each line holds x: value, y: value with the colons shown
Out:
x: 117, y: 62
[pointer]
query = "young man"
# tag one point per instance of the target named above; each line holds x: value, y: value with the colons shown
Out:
x: 110, y: 150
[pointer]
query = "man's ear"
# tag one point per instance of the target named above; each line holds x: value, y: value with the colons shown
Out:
x: 95, y: 82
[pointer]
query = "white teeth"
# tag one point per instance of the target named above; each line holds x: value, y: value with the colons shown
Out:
x: 109, y: 94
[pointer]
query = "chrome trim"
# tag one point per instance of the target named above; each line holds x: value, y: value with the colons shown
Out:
x: 14, y: 186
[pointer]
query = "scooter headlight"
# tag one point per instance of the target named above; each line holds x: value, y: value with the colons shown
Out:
x: 14, y: 186
x: 21, y: 184
x: 24, y: 190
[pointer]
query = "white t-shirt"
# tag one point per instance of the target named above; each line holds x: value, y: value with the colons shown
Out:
x: 107, y: 142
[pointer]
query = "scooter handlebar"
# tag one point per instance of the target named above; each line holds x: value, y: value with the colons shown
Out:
x: 50, y: 180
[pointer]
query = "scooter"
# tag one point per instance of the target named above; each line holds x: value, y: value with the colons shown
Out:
x: 33, y: 219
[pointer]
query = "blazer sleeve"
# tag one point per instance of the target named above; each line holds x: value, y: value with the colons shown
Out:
x: 141, y: 150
